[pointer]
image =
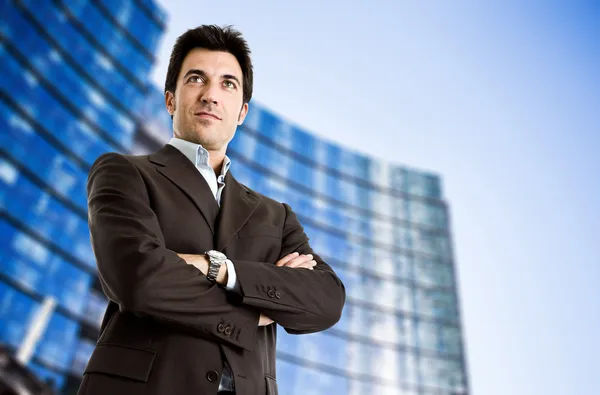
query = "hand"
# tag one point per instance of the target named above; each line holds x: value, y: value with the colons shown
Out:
x: 297, y: 261
x: 264, y: 320
x: 201, y: 263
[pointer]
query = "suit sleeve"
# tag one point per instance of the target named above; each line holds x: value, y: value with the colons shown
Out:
x: 300, y: 300
x: 140, y: 274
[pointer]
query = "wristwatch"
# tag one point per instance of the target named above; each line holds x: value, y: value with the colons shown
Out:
x: 216, y: 258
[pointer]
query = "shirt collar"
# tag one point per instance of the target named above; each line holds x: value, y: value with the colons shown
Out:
x: 197, y: 154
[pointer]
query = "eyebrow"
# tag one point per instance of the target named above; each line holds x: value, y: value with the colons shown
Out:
x: 203, y: 74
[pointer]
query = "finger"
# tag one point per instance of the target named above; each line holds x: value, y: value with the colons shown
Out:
x: 295, y: 260
x: 287, y: 258
x: 300, y: 260
x: 307, y: 265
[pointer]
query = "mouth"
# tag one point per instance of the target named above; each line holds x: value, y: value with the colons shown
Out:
x: 207, y: 115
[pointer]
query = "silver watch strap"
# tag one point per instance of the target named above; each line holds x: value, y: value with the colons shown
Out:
x: 213, y: 269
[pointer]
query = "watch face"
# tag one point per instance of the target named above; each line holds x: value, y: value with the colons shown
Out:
x: 216, y: 254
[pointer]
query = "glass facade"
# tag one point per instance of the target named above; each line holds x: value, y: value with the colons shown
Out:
x: 74, y: 74
x: 74, y: 84
x: 385, y: 230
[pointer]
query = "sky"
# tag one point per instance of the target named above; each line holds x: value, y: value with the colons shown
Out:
x: 502, y: 99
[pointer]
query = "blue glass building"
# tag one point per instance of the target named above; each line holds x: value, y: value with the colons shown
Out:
x: 73, y: 75
x: 385, y: 229
x: 74, y: 85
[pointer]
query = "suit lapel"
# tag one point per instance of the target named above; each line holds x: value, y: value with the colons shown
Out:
x: 237, y: 205
x: 172, y: 164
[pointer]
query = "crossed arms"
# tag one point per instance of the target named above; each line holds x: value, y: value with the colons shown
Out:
x: 144, y: 277
x: 294, y: 260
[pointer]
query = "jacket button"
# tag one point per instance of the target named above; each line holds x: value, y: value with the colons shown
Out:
x: 212, y: 376
x: 271, y: 293
x: 278, y: 294
x: 228, y: 330
x: 221, y: 328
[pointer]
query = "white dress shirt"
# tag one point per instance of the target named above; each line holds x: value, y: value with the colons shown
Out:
x: 199, y: 156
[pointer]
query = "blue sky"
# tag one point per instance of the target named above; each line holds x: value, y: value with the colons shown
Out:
x: 500, y: 98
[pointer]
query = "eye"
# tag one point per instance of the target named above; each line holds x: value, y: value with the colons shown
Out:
x: 194, y: 78
x: 229, y: 84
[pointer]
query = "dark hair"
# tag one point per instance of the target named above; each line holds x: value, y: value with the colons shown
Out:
x: 214, y: 38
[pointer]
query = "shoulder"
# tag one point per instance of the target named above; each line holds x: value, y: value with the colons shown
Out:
x: 266, y: 200
x: 263, y: 198
x: 118, y: 158
x: 115, y: 166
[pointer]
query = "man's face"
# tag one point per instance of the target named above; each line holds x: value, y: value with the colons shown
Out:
x: 208, y: 103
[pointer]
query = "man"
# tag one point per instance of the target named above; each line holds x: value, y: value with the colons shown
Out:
x: 198, y: 268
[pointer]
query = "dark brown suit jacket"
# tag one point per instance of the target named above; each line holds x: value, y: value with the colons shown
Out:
x: 166, y: 326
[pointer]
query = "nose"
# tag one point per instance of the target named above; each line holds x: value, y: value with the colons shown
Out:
x: 209, y: 94
x: 207, y: 99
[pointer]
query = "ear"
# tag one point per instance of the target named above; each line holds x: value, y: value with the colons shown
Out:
x: 243, y: 113
x: 170, y: 102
